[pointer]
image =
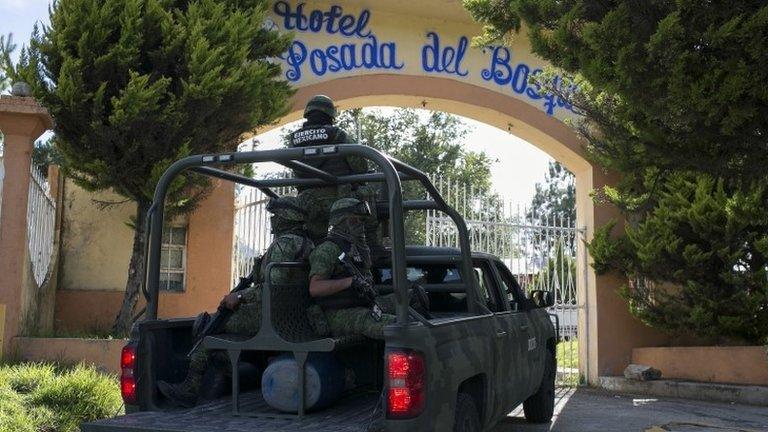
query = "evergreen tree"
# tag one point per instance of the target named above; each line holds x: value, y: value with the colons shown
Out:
x: 555, y: 198
x: 136, y: 84
x: 698, y: 261
x: 668, y: 84
x: 673, y: 98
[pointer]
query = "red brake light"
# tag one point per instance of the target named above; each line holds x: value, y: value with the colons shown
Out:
x: 128, y: 389
x: 127, y: 379
x: 128, y: 357
x: 405, y: 397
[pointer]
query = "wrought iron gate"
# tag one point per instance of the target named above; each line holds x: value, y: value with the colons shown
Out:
x: 541, y: 252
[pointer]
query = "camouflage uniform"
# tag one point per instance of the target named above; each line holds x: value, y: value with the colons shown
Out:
x: 345, y: 312
x: 291, y: 244
x: 319, y: 130
x: 324, y: 262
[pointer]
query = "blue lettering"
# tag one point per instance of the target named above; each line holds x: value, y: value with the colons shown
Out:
x: 502, y: 72
x: 318, y: 62
x: 371, y: 54
x: 447, y: 60
x: 317, y: 20
x: 520, y: 81
x: 295, y: 57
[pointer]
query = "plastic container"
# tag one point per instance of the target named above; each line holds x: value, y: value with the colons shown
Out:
x: 325, y: 382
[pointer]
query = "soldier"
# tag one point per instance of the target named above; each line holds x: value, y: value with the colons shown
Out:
x: 291, y: 243
x: 320, y: 114
x: 348, y: 301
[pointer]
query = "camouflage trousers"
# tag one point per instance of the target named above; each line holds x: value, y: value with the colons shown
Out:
x: 358, y: 320
x: 318, y: 201
x: 246, y: 321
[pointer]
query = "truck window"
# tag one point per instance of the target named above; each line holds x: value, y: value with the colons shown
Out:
x: 452, y: 298
x: 510, y: 286
x: 486, y: 293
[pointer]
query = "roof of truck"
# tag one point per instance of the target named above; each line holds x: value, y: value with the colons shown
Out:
x: 441, y: 251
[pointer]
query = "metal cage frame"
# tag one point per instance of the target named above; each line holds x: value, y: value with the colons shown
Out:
x: 392, y: 173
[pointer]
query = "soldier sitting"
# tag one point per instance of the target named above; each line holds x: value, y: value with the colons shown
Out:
x: 291, y: 243
x: 348, y: 301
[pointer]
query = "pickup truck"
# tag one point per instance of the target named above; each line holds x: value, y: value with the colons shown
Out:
x: 485, y: 348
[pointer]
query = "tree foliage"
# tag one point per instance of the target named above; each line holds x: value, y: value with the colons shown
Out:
x: 555, y: 198
x: 433, y: 143
x: 134, y: 85
x: 682, y: 79
x: 673, y: 98
x: 698, y: 261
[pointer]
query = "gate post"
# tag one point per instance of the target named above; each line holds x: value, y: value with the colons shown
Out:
x: 22, y: 121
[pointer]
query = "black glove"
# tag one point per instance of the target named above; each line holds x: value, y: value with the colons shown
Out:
x: 363, y: 287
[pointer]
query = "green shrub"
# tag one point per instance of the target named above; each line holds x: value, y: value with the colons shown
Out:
x: 25, y: 378
x: 79, y: 395
x: 13, y: 415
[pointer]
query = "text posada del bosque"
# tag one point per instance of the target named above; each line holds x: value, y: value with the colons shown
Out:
x: 365, y: 51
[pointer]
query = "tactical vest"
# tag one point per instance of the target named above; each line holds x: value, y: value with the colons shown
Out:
x: 347, y: 298
x: 316, y: 135
x: 302, y: 255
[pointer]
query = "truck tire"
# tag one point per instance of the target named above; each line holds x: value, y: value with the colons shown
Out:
x: 467, y: 416
x: 540, y: 407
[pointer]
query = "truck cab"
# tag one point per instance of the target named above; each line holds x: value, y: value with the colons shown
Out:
x: 484, y: 348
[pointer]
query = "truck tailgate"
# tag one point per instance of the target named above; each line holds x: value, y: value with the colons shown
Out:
x: 351, y: 414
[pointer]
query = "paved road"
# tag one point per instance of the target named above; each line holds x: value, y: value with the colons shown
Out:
x: 587, y: 410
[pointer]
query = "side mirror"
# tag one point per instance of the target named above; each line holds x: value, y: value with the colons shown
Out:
x: 541, y: 298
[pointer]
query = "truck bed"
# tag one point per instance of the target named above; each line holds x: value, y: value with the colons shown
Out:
x: 351, y: 414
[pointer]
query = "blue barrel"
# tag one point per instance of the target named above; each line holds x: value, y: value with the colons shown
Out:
x: 325, y: 381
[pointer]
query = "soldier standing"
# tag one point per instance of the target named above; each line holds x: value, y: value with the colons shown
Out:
x: 319, y: 129
x: 291, y: 243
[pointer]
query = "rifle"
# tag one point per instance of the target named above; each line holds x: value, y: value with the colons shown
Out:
x: 364, y: 286
x: 206, y: 324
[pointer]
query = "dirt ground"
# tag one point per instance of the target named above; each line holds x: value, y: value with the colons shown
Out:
x: 587, y: 410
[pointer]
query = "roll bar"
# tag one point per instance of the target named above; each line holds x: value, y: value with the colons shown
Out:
x: 391, y: 172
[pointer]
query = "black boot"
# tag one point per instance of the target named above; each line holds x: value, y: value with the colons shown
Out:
x: 178, y: 394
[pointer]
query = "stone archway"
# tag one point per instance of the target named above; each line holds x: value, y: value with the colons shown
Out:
x: 417, y: 54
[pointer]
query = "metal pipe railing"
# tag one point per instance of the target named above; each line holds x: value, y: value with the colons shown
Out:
x: 392, y: 172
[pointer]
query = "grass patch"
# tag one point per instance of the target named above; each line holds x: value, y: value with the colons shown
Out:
x: 568, y: 354
x: 43, y: 397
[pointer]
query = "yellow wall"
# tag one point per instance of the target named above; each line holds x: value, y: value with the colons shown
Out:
x: 95, y: 243
x: 95, y: 252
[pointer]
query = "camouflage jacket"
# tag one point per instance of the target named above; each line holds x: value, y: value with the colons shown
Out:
x: 287, y: 247
x: 324, y: 262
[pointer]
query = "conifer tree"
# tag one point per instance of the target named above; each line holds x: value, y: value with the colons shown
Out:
x: 673, y: 98
x: 134, y: 85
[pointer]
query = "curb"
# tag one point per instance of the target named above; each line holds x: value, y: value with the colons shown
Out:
x: 749, y: 395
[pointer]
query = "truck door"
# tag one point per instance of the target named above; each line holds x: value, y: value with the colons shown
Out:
x: 522, y: 342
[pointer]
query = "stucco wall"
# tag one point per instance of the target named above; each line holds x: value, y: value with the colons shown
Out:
x: 96, y: 247
x: 95, y: 242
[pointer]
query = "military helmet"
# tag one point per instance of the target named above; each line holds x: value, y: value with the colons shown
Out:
x: 346, y: 207
x: 287, y: 207
x: 321, y: 103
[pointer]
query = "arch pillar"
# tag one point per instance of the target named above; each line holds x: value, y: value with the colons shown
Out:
x: 22, y: 121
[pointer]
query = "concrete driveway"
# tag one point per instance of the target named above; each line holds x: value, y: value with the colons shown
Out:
x: 589, y: 410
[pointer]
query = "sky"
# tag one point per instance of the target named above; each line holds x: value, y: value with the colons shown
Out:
x: 519, y: 164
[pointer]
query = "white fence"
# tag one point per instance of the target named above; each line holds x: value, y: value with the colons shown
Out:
x: 540, y: 251
x: 41, y: 224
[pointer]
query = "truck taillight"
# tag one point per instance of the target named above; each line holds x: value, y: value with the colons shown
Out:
x: 406, y: 384
x: 127, y: 378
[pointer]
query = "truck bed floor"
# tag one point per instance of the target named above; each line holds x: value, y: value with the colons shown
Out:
x: 351, y: 414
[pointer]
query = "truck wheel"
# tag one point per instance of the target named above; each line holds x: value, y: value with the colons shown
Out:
x: 467, y: 417
x: 540, y: 407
